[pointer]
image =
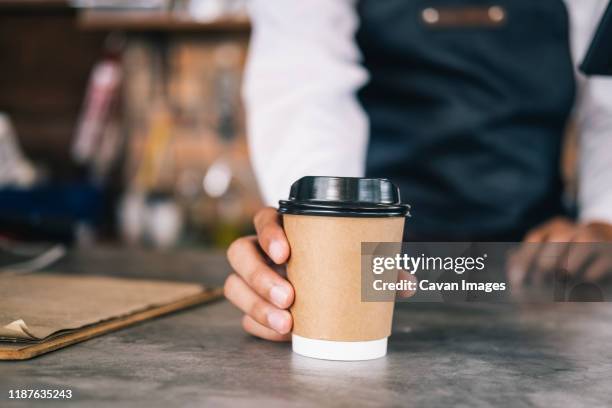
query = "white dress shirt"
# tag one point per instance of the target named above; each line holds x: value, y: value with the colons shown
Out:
x: 303, y: 116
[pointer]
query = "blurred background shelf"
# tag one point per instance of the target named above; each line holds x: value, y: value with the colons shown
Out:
x: 154, y: 85
x: 19, y: 4
x: 96, y: 20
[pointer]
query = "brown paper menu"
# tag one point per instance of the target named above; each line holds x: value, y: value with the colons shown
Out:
x: 35, y: 307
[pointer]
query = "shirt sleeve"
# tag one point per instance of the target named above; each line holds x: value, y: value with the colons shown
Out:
x: 302, y: 74
x: 593, y: 118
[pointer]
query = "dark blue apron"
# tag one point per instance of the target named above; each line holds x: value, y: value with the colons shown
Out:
x: 467, y: 107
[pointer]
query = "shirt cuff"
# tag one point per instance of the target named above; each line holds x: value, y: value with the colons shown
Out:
x: 597, y: 212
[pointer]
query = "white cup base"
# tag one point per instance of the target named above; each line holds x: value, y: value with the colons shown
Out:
x: 339, y: 350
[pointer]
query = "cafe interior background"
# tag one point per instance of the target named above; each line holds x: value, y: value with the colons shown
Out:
x: 121, y: 124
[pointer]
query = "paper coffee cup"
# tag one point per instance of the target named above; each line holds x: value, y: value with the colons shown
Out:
x: 326, y: 219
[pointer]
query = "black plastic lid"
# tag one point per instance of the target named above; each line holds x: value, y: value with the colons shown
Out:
x: 344, y: 197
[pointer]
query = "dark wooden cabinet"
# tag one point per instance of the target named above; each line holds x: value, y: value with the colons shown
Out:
x: 45, y: 61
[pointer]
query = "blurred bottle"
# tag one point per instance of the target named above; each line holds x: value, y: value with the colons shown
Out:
x: 148, y: 211
x: 225, y: 180
x: 102, y: 91
x: 164, y: 221
x: 15, y: 169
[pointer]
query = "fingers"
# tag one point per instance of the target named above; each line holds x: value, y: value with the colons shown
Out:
x: 587, y: 259
x: 520, y: 262
x: 572, y: 257
x: 243, y: 297
x: 246, y: 259
x: 553, y: 253
x: 536, y: 259
x: 558, y: 229
x: 404, y: 275
x: 565, y: 249
x: 579, y: 257
x: 256, y: 329
x: 599, y: 269
x: 271, y: 235
x: 586, y: 233
x: 257, y: 289
x: 548, y: 261
x: 602, y: 231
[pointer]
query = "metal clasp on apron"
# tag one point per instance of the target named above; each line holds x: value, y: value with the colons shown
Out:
x: 468, y: 16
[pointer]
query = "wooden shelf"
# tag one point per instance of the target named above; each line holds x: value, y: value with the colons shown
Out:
x: 29, y: 4
x: 155, y: 21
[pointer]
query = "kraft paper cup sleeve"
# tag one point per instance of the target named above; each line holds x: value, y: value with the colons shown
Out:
x: 325, y: 270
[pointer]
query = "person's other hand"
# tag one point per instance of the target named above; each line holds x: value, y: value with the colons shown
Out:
x: 256, y: 287
x: 562, y: 245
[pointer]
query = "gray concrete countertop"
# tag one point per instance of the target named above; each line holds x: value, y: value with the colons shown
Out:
x: 439, y: 355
